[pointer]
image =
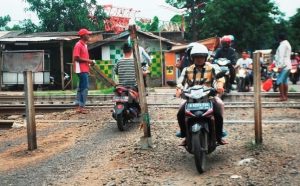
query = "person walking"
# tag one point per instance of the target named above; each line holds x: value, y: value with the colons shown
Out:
x: 82, y: 64
x: 283, y: 63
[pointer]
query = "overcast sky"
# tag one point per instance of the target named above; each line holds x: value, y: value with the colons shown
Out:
x: 147, y: 8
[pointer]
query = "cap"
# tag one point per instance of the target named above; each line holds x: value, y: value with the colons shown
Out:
x: 83, y: 31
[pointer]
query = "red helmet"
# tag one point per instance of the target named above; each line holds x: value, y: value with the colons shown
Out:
x: 226, y: 39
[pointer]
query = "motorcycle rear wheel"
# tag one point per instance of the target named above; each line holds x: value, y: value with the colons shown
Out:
x: 121, y: 122
x: 198, y: 141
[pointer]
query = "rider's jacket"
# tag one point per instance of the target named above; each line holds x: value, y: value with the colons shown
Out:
x: 193, y: 75
x: 228, y: 53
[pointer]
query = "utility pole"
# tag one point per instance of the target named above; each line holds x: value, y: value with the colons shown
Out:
x: 257, y: 98
x: 146, y: 140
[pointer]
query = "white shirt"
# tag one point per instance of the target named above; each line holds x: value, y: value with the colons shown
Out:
x: 244, y: 63
x: 283, y: 55
x: 144, y: 57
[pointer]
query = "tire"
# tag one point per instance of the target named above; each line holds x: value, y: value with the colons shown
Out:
x: 227, y: 85
x: 275, y: 86
x: 241, y: 85
x: 198, y: 140
x: 121, y: 122
x: 294, y: 82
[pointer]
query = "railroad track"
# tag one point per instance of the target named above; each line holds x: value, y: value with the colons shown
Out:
x: 8, y: 99
x: 16, y: 103
x: 20, y: 108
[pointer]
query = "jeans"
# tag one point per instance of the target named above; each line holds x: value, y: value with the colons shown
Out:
x: 82, y: 90
x: 218, y: 114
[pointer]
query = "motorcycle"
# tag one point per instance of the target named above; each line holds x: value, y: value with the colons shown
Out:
x: 200, y: 125
x: 294, y: 74
x: 126, y: 105
x: 242, y: 81
x: 273, y: 74
x: 223, y: 63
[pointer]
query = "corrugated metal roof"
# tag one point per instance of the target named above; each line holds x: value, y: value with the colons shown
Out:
x: 43, y: 36
x: 38, y: 39
x: 56, y: 34
x: 210, y: 43
x: 126, y: 33
x: 6, y: 34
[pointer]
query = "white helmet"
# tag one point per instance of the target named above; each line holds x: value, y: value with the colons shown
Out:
x: 199, y: 50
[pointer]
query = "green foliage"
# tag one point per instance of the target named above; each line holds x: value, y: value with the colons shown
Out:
x: 3, y: 21
x: 26, y: 25
x: 67, y: 15
x: 295, y: 31
x: 251, y: 22
x: 195, y: 10
x: 149, y: 27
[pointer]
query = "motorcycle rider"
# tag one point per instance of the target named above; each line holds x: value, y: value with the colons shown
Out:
x: 226, y: 51
x: 246, y: 63
x: 193, y: 75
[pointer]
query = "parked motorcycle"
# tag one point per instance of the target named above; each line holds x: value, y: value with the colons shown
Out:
x: 200, y: 125
x: 242, y: 80
x: 295, y: 72
x: 126, y: 106
x: 273, y: 74
x: 224, y: 66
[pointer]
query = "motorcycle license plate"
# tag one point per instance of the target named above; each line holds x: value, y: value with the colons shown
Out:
x: 120, y: 98
x: 198, y: 106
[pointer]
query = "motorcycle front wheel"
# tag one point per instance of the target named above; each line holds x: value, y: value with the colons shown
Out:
x: 241, y: 85
x: 198, y: 142
x: 121, y: 122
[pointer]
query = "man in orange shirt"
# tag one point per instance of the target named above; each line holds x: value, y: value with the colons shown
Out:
x: 82, y: 68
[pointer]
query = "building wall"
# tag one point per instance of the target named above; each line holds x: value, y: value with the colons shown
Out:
x: 113, y: 52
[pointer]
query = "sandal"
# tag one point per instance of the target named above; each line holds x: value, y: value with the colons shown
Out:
x: 222, y: 142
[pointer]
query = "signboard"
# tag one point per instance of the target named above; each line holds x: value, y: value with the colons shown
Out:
x: 25, y: 60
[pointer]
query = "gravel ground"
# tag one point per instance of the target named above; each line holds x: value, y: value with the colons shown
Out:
x: 94, y: 152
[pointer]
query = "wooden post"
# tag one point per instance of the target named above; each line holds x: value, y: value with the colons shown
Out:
x: 161, y: 61
x: 146, y: 141
x: 30, y: 112
x: 62, y: 70
x: 257, y: 98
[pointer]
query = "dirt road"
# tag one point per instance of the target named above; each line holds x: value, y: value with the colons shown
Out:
x: 94, y: 152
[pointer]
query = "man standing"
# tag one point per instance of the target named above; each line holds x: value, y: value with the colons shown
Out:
x: 283, y: 62
x: 146, y: 63
x: 82, y: 67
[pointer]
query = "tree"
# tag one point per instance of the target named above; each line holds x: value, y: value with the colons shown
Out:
x: 26, y: 25
x: 67, y: 15
x: 295, y: 31
x: 251, y: 22
x: 149, y: 27
x: 195, y: 10
x: 3, y: 21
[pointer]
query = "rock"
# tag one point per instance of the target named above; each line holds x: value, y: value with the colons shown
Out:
x: 246, y: 161
x: 111, y: 183
x: 235, y: 176
x: 294, y: 171
x: 13, y: 117
x: 39, y: 116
